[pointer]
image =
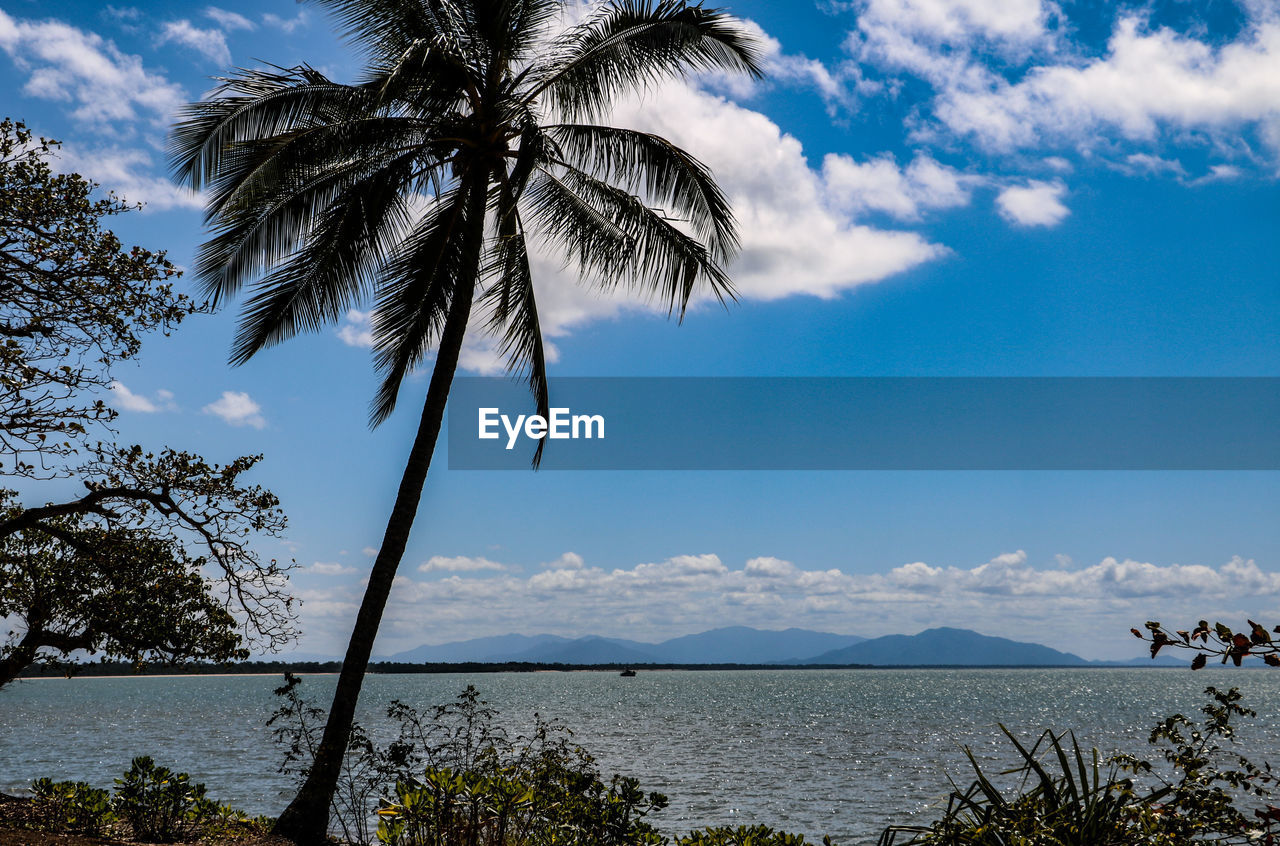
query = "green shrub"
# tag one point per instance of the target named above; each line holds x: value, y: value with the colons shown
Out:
x: 743, y: 835
x: 517, y: 806
x: 72, y: 806
x: 1203, y: 793
x: 159, y: 804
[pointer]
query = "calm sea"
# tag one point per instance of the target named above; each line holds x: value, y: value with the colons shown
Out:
x: 838, y: 752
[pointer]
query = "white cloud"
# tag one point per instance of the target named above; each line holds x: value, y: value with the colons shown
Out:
x: 1149, y: 80
x: 356, y: 329
x: 878, y: 184
x: 286, y: 25
x: 104, y: 86
x: 1034, y: 204
x: 792, y: 242
x: 210, y: 43
x: 227, y: 20
x: 369, y: 551
x: 1145, y: 163
x: 331, y: 568
x: 568, y: 561
x: 1087, y: 610
x: 129, y: 401
x: 959, y: 21
x: 237, y: 409
x: 127, y: 172
x: 458, y: 564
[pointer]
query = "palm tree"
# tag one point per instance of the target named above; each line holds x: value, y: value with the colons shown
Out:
x: 475, y: 124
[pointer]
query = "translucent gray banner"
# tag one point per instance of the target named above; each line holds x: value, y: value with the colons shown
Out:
x: 869, y: 424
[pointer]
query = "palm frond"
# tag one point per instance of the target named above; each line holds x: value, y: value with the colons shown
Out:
x: 334, y: 269
x: 589, y: 236
x: 387, y: 28
x: 270, y: 193
x: 644, y: 162
x: 651, y: 255
x: 249, y: 106
x: 415, y: 290
x: 629, y: 45
x: 512, y: 305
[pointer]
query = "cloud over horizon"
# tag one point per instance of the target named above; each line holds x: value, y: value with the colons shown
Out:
x: 1087, y: 610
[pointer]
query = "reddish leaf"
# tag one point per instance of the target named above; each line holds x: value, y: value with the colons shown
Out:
x: 1271, y: 660
x: 1136, y: 634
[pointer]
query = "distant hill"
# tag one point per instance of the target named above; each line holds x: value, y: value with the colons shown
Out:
x: 731, y: 645
x: 496, y: 649
x: 590, y: 650
x: 743, y: 645
x: 950, y: 647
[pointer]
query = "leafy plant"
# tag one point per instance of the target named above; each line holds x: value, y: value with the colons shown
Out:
x: 72, y: 806
x: 754, y: 835
x: 446, y: 807
x: 159, y: 804
x: 1215, y: 641
x: 1066, y: 797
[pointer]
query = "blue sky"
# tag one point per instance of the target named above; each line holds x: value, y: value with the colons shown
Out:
x: 925, y: 187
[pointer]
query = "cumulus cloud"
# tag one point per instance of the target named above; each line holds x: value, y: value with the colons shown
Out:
x: 237, y: 408
x: 1034, y: 204
x: 210, y: 43
x: 356, y: 329
x: 879, y: 184
x: 568, y: 561
x: 959, y: 21
x: 793, y: 242
x: 459, y: 564
x: 1148, y: 79
x: 128, y: 173
x: 129, y: 401
x: 1008, y: 76
x: 103, y: 86
x: 1084, y: 609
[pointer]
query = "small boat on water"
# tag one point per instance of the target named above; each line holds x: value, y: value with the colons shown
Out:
x: 628, y: 672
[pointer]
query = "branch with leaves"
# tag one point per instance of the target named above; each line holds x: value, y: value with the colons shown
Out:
x: 1215, y: 641
x: 73, y: 302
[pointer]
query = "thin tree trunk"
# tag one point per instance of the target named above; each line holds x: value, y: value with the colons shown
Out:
x: 306, y: 819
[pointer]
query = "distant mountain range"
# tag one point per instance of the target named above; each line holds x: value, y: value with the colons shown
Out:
x: 743, y: 645
x: 732, y: 645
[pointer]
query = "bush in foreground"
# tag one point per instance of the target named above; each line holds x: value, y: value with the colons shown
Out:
x: 1202, y: 793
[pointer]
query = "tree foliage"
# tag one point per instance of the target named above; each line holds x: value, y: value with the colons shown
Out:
x: 1216, y: 641
x: 73, y: 302
x: 154, y: 559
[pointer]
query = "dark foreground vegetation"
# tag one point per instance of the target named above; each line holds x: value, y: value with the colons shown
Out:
x: 452, y: 776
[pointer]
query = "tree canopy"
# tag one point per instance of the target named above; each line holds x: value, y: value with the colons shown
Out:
x: 155, y: 559
x: 73, y: 302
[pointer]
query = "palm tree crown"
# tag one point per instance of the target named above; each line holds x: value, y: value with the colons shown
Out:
x: 474, y: 126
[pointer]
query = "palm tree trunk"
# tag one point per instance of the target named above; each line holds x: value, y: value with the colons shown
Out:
x: 306, y: 819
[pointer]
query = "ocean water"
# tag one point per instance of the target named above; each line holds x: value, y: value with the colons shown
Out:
x: 842, y: 752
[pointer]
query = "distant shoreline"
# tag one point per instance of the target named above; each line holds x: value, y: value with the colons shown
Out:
x: 315, y: 668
